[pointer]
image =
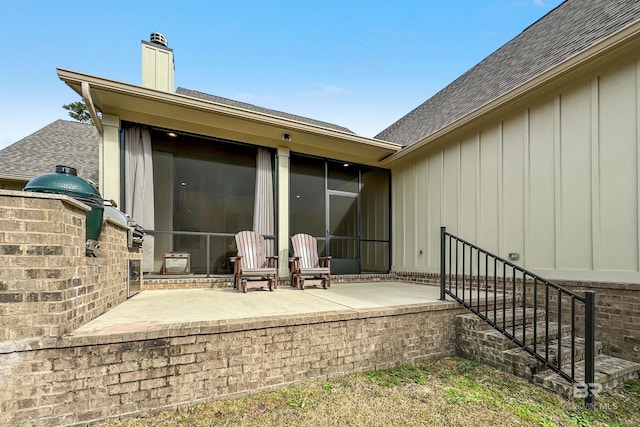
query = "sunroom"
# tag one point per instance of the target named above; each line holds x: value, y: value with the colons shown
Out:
x: 194, y: 172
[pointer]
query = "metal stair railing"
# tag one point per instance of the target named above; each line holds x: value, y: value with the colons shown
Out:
x: 461, y: 278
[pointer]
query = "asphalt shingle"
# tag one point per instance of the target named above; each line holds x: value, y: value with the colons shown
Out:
x: 251, y: 107
x: 570, y: 28
x: 62, y: 142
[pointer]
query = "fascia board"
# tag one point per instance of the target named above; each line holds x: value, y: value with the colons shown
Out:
x: 74, y: 80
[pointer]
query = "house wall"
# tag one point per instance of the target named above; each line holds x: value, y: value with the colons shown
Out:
x: 554, y: 179
x: 617, y: 316
x: 109, y: 159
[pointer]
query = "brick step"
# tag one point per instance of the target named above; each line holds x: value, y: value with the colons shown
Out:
x: 609, y: 372
x: 474, y: 322
x: 472, y: 298
x: 496, y: 340
x: 525, y: 365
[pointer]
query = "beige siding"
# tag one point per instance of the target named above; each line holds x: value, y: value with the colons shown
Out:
x: 540, y: 236
x: 109, y: 161
x: 576, y: 175
x: 157, y: 67
x: 618, y: 170
x: 513, y: 186
x: 434, y: 217
x: 488, y: 213
x: 555, y: 180
x: 422, y: 194
x: 468, y: 191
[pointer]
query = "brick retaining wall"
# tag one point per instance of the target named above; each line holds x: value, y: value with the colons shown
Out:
x: 617, y: 310
x: 85, y: 379
x: 48, y: 287
x: 617, y: 316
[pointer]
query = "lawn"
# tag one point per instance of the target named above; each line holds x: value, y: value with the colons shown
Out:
x: 440, y: 392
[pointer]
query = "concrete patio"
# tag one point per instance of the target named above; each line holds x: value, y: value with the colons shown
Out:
x: 150, y: 310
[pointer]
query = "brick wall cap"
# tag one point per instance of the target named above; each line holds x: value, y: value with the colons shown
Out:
x: 117, y: 224
x: 34, y: 195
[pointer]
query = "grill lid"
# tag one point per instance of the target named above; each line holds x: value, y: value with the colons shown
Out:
x: 65, y: 180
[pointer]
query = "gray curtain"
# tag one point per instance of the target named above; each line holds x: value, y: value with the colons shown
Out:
x: 139, y: 203
x: 263, y: 212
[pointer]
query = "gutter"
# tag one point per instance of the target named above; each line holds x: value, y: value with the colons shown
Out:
x: 570, y: 64
x: 73, y: 78
x: 86, y: 95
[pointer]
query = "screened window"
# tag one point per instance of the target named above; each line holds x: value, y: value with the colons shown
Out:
x: 346, y: 207
x: 202, y: 186
x: 307, y: 196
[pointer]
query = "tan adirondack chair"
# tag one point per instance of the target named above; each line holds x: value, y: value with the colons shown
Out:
x: 253, y: 263
x: 306, y: 262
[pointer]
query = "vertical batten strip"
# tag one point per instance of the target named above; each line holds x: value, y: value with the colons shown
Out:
x: 415, y: 201
x: 595, y: 173
x: 478, y: 216
x: 526, y: 182
x: 638, y: 158
x: 557, y: 163
x: 427, y: 215
x: 459, y: 187
x: 442, y: 188
x: 500, y: 188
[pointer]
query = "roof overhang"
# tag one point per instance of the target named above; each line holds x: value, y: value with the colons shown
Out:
x: 15, y: 177
x: 187, y: 114
x: 618, y: 45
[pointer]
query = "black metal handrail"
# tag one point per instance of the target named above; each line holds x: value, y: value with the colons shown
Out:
x: 463, y: 280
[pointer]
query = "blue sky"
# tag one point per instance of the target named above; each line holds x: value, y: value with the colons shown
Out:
x: 359, y: 64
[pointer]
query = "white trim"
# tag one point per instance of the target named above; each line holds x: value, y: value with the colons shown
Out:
x: 638, y: 155
x: 526, y: 186
x: 557, y: 179
x: 478, y: 213
x: 75, y: 79
x: 595, y: 174
x: 501, y: 233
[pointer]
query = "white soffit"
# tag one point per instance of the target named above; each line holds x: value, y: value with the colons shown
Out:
x: 170, y: 110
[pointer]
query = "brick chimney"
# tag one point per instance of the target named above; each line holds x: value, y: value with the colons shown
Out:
x: 157, y: 63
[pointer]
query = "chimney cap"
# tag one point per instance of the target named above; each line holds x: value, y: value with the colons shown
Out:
x: 158, y: 38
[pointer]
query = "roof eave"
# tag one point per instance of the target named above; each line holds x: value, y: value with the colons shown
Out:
x: 100, y: 87
x: 15, y: 177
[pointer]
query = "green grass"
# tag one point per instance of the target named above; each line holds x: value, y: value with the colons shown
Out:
x: 440, y: 392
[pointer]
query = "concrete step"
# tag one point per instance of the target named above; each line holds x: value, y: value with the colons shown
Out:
x: 473, y: 322
x: 609, y: 372
x: 525, y: 365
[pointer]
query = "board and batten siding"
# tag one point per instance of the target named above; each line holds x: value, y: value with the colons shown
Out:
x: 555, y: 181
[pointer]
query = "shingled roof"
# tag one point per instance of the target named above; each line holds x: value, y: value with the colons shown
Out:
x: 60, y: 143
x: 568, y: 29
x: 251, y: 107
